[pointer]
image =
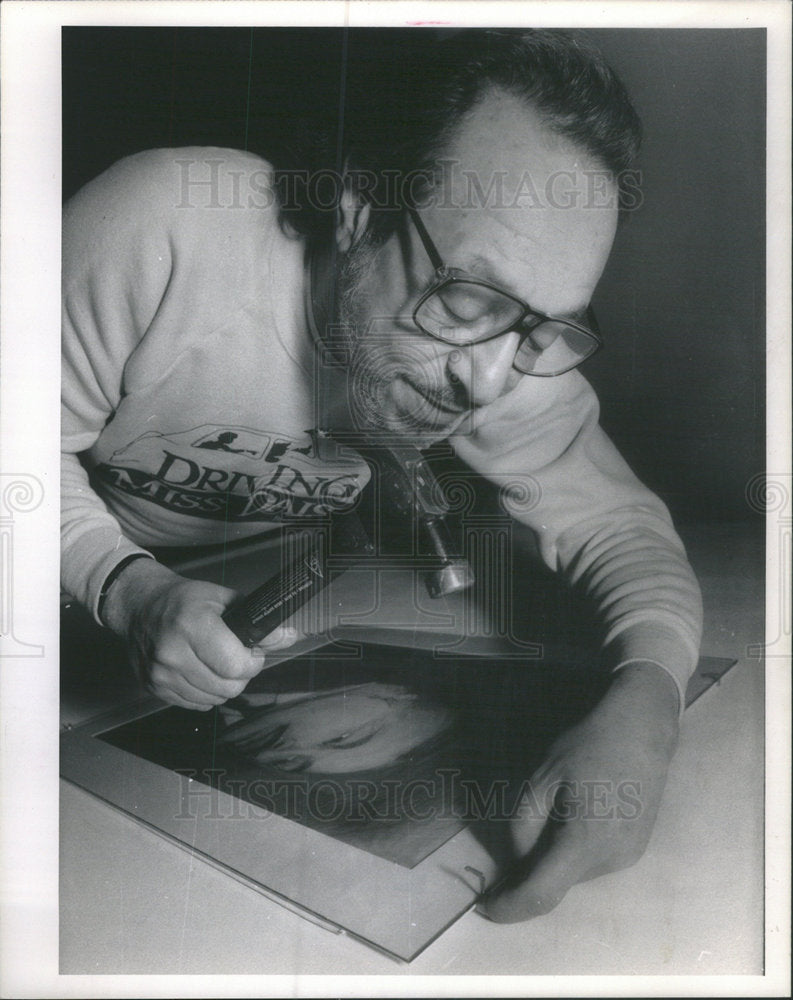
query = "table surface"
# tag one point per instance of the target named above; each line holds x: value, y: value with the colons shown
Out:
x: 134, y: 903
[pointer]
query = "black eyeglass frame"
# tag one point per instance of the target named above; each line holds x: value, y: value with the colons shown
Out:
x: 445, y: 276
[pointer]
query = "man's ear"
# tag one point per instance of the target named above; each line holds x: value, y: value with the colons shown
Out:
x: 353, y: 218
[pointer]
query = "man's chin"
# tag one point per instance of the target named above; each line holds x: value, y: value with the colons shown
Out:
x: 397, y: 407
x: 425, y: 423
x: 421, y: 432
x: 421, y: 411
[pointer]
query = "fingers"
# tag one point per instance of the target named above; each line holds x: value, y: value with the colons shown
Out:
x: 188, y: 655
x: 206, y: 657
x: 223, y: 666
x: 282, y: 637
x: 529, y: 822
x: 170, y: 686
x: 215, y: 647
x: 570, y: 848
x: 557, y: 862
x: 213, y: 668
x: 595, y: 798
x: 193, y: 681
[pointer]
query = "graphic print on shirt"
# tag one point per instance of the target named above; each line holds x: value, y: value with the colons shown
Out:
x: 232, y: 473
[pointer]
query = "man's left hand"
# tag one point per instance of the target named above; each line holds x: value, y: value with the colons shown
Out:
x: 594, y: 801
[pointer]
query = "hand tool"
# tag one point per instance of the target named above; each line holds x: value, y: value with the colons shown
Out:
x: 398, y: 519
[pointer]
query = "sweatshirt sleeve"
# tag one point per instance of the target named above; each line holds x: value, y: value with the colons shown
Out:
x: 92, y: 542
x: 116, y: 266
x: 594, y: 521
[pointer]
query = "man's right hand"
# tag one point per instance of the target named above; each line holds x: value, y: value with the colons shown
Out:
x: 177, y: 640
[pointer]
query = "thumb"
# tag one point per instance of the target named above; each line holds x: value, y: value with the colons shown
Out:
x: 545, y: 871
x: 541, y: 880
x: 281, y: 637
x: 529, y: 818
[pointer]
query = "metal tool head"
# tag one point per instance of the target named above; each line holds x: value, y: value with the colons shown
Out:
x: 404, y: 501
x: 449, y: 579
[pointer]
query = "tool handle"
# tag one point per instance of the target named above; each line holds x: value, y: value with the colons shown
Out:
x: 263, y: 610
x: 278, y: 598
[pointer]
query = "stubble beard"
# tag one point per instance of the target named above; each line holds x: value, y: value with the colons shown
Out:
x: 392, y: 385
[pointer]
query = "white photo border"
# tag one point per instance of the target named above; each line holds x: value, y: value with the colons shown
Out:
x: 31, y: 204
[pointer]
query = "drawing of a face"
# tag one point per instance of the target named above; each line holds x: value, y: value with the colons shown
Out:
x: 356, y: 728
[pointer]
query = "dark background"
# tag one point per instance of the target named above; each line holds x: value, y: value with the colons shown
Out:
x: 681, y: 304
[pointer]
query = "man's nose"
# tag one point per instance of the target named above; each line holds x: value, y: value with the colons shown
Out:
x: 485, y: 370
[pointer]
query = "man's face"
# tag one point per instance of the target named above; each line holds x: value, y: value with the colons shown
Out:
x: 545, y: 238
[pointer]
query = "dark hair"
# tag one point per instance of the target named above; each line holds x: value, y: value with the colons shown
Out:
x: 405, y: 93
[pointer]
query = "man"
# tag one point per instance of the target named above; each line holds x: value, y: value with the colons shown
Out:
x: 209, y: 326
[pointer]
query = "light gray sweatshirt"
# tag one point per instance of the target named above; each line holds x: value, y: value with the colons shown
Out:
x: 189, y: 386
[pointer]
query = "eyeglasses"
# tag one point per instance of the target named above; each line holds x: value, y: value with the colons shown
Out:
x: 459, y: 308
